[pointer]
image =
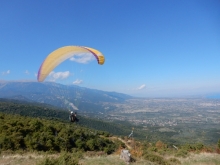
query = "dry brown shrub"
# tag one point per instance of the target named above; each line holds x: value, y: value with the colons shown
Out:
x: 159, y: 145
x: 218, y: 151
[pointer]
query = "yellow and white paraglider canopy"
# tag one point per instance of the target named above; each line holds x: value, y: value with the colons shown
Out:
x: 62, y: 54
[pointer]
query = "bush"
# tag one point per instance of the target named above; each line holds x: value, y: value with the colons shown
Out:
x: 68, y: 159
x: 162, y: 152
x: 199, y: 146
x: 181, y: 153
x: 154, y: 149
x: 48, y: 161
x: 174, y: 161
x: 193, y: 147
x: 109, y: 149
x: 160, y: 145
x: 64, y: 159
x: 156, y: 158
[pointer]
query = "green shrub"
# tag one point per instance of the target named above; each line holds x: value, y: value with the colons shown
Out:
x: 156, y: 158
x: 154, y: 149
x: 193, y: 147
x: 181, y: 153
x: 77, y: 153
x: 199, y: 146
x: 48, y: 161
x: 68, y: 159
x: 162, y: 151
x: 64, y: 159
x: 174, y: 161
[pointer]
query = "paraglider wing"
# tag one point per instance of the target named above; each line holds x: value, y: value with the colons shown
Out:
x: 62, y: 54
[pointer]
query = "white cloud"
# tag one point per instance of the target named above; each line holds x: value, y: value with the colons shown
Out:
x: 59, y: 75
x: 141, y: 87
x: 82, y: 58
x: 6, y: 72
x: 77, y: 81
x: 26, y: 72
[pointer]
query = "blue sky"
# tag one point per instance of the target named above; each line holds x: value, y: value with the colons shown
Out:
x: 153, y: 48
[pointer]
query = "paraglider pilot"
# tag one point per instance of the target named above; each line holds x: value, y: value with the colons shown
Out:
x: 73, y: 117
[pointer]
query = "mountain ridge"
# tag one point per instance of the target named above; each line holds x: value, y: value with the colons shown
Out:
x: 71, y: 97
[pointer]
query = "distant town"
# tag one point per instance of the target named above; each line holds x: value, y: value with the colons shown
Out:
x: 166, y: 112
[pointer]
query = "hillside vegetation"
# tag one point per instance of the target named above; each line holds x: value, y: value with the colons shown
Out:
x: 18, y: 132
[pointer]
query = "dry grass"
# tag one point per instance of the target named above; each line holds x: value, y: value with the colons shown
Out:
x: 22, y: 159
x: 110, y: 160
x: 201, y: 159
x: 34, y: 158
x: 17, y: 159
x: 102, y: 160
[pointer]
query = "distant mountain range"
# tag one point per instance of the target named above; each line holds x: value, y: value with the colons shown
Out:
x: 69, y: 97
